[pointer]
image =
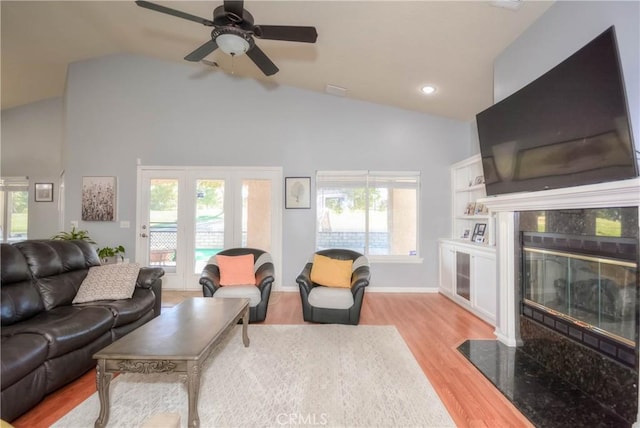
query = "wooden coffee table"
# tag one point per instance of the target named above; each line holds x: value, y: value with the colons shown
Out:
x: 178, y: 341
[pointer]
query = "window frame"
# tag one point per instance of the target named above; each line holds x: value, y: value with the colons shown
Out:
x: 9, y: 185
x: 370, y: 176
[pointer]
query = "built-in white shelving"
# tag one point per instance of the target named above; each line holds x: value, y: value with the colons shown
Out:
x: 467, y: 265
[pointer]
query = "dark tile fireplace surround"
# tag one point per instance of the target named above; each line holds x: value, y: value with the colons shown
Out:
x: 576, y: 363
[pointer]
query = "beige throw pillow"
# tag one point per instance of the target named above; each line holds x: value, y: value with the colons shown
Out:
x: 108, y: 282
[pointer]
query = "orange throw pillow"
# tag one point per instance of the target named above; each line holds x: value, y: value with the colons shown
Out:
x: 331, y: 272
x: 236, y: 270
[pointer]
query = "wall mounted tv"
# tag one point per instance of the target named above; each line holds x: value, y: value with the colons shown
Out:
x: 567, y: 128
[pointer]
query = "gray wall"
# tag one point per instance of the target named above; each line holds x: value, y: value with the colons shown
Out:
x: 562, y: 30
x: 125, y: 107
x: 32, y: 146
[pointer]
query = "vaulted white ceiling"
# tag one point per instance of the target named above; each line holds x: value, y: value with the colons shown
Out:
x: 379, y: 51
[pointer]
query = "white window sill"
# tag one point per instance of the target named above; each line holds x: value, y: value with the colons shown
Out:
x: 395, y: 259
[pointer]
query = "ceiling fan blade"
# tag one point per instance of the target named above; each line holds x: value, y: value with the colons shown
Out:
x: 169, y: 11
x: 202, y: 51
x: 234, y: 6
x: 262, y: 61
x: 286, y: 32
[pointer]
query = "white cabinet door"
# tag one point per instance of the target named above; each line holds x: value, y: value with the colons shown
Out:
x: 483, y: 288
x: 447, y: 269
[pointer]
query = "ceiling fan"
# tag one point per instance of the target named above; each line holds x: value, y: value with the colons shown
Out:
x: 233, y: 32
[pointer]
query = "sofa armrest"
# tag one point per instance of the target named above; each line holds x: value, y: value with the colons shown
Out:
x: 148, y: 275
x: 151, y: 278
x: 304, y: 280
x: 210, y: 280
x: 360, y: 278
x: 265, y: 275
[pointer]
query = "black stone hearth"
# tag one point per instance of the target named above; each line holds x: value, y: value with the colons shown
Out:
x: 540, y: 395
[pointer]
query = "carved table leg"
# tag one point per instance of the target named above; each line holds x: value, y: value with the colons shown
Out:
x: 103, y: 379
x: 245, y: 324
x: 193, y: 389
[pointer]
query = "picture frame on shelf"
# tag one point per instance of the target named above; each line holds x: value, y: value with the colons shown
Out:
x: 43, y: 192
x: 465, y: 234
x: 470, y: 209
x: 478, y: 232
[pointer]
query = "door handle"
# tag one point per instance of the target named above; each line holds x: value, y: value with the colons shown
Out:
x: 143, y: 235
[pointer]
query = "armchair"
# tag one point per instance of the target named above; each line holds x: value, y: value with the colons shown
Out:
x: 258, y: 293
x: 330, y: 304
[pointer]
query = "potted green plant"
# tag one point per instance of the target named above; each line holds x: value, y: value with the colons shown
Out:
x: 81, y: 235
x: 109, y: 255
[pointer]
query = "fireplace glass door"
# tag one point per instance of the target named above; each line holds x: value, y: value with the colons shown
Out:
x: 593, y: 292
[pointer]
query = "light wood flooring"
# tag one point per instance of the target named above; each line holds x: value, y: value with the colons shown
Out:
x: 431, y: 325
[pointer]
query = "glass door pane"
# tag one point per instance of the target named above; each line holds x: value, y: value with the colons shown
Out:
x: 209, y: 221
x: 256, y: 214
x: 163, y: 223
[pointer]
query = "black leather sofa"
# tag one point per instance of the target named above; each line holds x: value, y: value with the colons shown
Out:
x: 47, y: 341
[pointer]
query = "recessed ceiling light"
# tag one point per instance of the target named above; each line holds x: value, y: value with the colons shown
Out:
x: 428, y: 89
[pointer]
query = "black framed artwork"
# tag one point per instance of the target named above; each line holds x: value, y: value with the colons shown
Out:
x: 297, y: 192
x: 43, y: 192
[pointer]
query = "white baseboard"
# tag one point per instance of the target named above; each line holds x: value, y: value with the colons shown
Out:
x: 370, y: 289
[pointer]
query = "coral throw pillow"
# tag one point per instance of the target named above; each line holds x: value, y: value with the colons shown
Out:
x: 236, y: 270
x: 331, y: 272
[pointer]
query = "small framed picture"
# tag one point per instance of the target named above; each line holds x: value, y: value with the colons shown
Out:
x: 465, y: 234
x: 478, y: 232
x: 470, y: 209
x: 43, y: 192
x: 297, y: 191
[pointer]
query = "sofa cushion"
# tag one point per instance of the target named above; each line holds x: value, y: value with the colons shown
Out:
x: 108, y: 282
x: 19, y: 298
x: 250, y: 292
x: 331, y: 298
x: 331, y: 272
x: 50, y: 257
x: 129, y: 310
x: 21, y: 354
x: 58, y: 268
x: 236, y: 270
x: 66, y: 328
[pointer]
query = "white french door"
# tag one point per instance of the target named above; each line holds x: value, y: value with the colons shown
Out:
x: 187, y: 214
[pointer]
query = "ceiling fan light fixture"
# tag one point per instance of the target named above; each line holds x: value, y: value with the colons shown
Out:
x: 232, y: 44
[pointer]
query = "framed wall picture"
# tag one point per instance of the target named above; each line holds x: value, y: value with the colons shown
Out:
x: 43, y: 192
x: 98, y: 198
x: 478, y: 232
x: 297, y: 192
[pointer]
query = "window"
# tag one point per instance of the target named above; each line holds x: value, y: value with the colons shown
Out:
x: 14, y: 208
x: 374, y: 213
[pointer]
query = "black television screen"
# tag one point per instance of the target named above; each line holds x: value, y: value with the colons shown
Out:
x: 567, y: 128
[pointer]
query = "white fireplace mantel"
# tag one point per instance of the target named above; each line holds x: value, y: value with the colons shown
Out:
x: 623, y: 193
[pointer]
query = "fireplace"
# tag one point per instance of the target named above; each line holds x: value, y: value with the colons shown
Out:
x: 524, y: 320
x: 584, y: 287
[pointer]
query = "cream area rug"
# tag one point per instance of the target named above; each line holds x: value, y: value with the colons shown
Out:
x: 291, y: 376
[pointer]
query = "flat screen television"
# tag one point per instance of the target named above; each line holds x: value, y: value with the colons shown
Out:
x: 567, y: 128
